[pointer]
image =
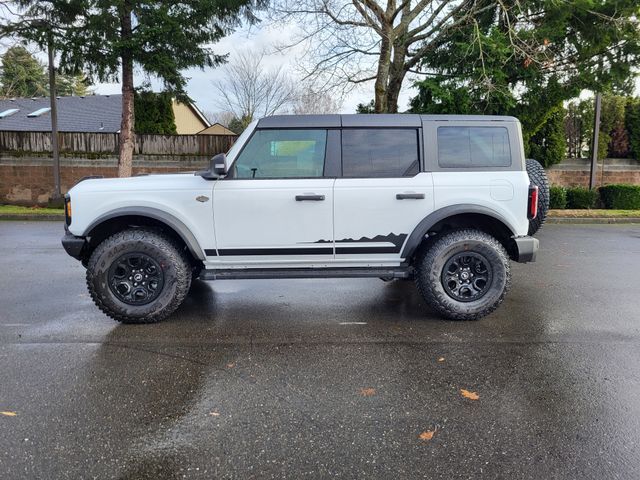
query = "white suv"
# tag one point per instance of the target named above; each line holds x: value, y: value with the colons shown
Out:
x: 447, y: 200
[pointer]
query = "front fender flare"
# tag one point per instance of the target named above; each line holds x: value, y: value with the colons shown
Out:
x: 174, y: 223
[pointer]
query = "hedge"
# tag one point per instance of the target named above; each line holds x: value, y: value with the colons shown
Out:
x: 581, y: 198
x: 557, y: 197
x: 620, y: 197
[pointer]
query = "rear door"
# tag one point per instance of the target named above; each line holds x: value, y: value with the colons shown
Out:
x: 382, y: 194
x: 275, y: 208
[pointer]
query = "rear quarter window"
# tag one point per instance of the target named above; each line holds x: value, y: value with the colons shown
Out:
x: 470, y: 147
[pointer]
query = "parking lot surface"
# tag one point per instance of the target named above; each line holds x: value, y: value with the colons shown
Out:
x: 325, y: 378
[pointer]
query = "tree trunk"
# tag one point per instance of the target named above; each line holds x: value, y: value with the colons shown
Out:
x: 383, y: 74
x: 57, y: 194
x: 127, y: 140
x: 397, y: 73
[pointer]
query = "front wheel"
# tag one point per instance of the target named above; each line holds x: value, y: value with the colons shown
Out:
x: 464, y: 275
x: 138, y: 276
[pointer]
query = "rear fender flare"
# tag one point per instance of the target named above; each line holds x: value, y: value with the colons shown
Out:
x: 419, y: 232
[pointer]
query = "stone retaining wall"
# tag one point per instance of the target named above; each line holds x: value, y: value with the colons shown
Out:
x: 575, y: 172
x: 28, y: 180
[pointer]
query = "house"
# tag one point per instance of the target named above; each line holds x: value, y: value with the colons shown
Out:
x: 189, y: 120
x: 92, y: 113
x: 216, y: 129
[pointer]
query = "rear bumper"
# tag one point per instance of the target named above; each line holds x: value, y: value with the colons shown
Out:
x: 74, y: 245
x: 526, y: 249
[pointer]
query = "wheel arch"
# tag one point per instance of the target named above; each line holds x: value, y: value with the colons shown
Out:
x: 120, y: 218
x: 461, y: 216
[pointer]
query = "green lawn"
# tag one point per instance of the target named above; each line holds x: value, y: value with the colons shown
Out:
x: 15, y: 210
x: 594, y: 213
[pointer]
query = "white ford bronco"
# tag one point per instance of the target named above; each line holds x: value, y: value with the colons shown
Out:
x: 444, y: 200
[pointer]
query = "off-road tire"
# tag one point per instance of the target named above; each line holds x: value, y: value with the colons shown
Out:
x: 538, y: 177
x: 164, y: 250
x: 432, y: 259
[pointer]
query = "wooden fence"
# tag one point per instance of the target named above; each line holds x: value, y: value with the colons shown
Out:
x: 107, y: 143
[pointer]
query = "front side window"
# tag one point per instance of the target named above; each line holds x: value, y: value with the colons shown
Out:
x: 282, y: 154
x: 380, y: 152
x: 467, y: 147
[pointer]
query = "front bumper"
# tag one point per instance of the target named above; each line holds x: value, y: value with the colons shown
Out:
x: 526, y: 249
x: 74, y: 245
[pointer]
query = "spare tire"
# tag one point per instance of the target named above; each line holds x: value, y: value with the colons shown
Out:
x: 538, y: 177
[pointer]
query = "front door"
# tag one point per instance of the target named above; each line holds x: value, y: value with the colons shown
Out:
x: 275, y: 208
x: 381, y: 197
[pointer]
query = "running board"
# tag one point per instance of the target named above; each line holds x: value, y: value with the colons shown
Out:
x: 269, y: 273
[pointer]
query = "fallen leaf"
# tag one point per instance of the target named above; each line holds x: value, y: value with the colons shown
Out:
x: 441, y: 359
x: 469, y: 395
x: 428, y: 435
x: 231, y: 365
x: 367, y: 392
x: 9, y: 414
x: 214, y: 414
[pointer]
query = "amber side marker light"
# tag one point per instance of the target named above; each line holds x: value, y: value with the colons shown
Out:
x: 67, y: 209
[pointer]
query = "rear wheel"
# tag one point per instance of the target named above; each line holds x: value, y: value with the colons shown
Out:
x: 464, y: 275
x: 138, y: 276
x: 538, y: 177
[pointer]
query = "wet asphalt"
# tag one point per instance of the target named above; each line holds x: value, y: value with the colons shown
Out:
x: 324, y: 378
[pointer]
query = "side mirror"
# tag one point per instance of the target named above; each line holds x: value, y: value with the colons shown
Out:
x: 217, y: 167
x: 219, y: 164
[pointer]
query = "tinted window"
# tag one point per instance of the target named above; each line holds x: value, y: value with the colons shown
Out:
x: 473, y: 147
x: 282, y: 154
x: 379, y: 152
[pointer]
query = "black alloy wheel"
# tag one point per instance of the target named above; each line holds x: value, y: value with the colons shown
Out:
x: 136, y: 278
x: 467, y: 276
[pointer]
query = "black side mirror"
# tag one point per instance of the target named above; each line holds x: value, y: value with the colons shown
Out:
x: 219, y: 164
x: 217, y: 168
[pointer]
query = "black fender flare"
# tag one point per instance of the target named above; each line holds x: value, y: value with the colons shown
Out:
x: 169, y: 220
x: 416, y: 237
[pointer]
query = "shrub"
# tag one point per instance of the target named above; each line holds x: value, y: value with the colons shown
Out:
x: 580, y: 197
x: 620, y: 197
x: 557, y: 197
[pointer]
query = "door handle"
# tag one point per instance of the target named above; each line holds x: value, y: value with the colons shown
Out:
x: 309, y: 197
x: 410, y: 196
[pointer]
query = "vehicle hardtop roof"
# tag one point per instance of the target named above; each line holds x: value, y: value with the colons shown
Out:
x: 370, y: 120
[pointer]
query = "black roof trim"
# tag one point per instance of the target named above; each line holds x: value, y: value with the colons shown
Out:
x: 388, y: 120
x: 300, y: 121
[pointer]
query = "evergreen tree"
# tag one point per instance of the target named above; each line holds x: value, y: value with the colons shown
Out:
x: 22, y: 75
x: 154, y: 113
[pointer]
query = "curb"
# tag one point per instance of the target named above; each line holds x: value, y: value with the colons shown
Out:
x: 592, y: 220
x: 22, y: 217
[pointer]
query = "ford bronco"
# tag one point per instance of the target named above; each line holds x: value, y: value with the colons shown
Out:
x: 445, y: 200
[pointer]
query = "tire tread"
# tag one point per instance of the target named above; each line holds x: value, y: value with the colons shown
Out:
x: 438, y: 300
x: 158, y: 239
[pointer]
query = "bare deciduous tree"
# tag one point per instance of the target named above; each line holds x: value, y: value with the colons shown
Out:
x: 350, y: 42
x: 249, y: 90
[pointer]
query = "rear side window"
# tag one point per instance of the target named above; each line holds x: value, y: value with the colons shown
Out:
x: 379, y: 152
x: 467, y: 147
